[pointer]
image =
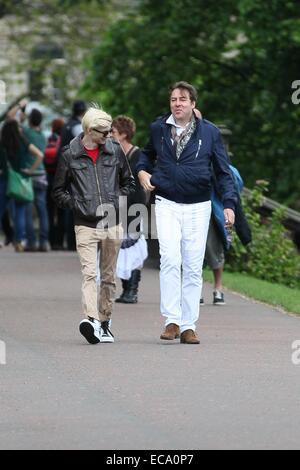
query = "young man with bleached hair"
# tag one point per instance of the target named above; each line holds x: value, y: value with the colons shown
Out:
x: 92, y: 173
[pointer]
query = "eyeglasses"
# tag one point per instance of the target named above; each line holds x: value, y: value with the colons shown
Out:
x: 104, y: 133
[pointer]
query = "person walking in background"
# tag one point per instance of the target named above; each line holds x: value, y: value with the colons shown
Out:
x: 177, y: 163
x: 3, y: 186
x: 17, y: 153
x: 220, y: 237
x: 214, y: 251
x: 215, y: 259
x: 73, y: 126
x: 35, y: 136
x: 92, y: 172
x: 133, y: 250
x: 71, y: 129
x: 7, y: 205
x: 7, y: 225
x: 56, y: 216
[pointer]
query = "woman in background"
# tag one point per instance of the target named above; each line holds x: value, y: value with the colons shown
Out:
x: 17, y: 152
x: 133, y: 250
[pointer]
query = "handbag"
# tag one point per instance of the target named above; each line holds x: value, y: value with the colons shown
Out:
x: 19, y: 187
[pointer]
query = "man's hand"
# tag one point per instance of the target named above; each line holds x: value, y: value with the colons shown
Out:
x: 229, y: 217
x: 144, y: 179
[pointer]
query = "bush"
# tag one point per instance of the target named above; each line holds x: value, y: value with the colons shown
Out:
x: 271, y: 255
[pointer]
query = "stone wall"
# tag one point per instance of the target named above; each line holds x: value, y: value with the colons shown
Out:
x: 14, y: 82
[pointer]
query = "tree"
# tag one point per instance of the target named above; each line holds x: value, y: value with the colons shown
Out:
x: 266, y: 138
x: 242, y: 56
x: 52, y: 40
x: 8, y: 6
x: 140, y: 55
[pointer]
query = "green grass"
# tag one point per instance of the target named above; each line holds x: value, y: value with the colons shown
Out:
x: 270, y: 293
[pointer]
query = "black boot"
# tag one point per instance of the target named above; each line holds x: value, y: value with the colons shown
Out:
x: 125, y: 288
x: 130, y: 296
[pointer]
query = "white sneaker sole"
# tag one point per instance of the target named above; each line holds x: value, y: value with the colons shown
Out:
x: 87, y: 330
x: 106, y: 339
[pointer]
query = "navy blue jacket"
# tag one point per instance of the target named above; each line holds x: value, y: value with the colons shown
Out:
x: 188, y: 179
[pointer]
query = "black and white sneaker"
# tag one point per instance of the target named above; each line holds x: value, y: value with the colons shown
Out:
x: 218, y: 298
x: 90, y: 329
x: 202, y: 301
x: 106, y: 335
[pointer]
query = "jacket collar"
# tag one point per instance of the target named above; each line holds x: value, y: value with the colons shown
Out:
x: 77, y: 148
x: 166, y: 127
x: 166, y: 130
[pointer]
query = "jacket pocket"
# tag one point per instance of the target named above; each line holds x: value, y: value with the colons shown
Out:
x: 78, y: 166
x: 85, y: 207
x: 110, y: 165
x: 161, y: 179
x: 80, y: 175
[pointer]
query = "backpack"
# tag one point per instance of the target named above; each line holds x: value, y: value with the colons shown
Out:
x: 50, y: 154
x: 238, y: 180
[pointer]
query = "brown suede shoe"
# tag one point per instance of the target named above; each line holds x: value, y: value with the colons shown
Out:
x: 171, y: 332
x: 189, y: 337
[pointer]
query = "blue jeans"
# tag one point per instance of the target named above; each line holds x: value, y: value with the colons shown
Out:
x: 41, y: 206
x: 19, y: 213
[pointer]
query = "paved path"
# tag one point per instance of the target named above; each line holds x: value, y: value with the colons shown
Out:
x: 238, y: 389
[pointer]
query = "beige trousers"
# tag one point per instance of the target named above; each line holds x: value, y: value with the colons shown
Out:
x: 98, y: 248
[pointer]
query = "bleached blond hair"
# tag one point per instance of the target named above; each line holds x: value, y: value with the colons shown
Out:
x: 95, y: 117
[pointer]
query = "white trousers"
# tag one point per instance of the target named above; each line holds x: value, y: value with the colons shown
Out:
x: 182, y: 232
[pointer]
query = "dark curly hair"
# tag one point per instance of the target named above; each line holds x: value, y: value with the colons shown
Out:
x: 126, y: 125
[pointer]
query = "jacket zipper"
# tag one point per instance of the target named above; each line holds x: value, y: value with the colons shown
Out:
x: 199, y: 146
x: 98, y: 185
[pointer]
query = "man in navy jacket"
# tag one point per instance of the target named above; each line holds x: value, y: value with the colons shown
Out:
x: 177, y: 163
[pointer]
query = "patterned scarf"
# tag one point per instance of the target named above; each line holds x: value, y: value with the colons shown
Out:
x: 180, y: 141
